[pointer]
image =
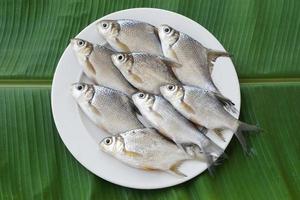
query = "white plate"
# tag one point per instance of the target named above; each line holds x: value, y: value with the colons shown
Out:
x: 81, y: 137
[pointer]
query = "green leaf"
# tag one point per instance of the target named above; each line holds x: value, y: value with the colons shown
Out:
x: 263, y: 36
x: 35, y: 163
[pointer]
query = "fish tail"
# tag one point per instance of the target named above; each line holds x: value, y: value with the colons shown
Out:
x: 174, y: 169
x: 240, y: 136
x: 211, y: 154
x: 213, y: 54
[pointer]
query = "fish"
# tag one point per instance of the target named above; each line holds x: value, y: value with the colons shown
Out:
x: 146, y: 149
x: 163, y: 117
x: 196, y: 60
x: 97, y: 65
x: 111, y: 110
x: 126, y: 35
x: 144, y: 71
x: 206, y: 108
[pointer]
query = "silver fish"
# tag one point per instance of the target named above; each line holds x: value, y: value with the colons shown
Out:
x: 206, y: 108
x: 145, y: 149
x: 97, y: 65
x: 196, y: 59
x: 127, y: 35
x: 145, y: 71
x: 109, y: 109
x: 173, y: 125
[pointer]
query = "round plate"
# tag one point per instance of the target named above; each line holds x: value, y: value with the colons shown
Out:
x: 81, y: 137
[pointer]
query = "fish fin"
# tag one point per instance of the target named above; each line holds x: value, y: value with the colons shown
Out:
x: 155, y: 113
x: 180, y: 146
x: 209, y: 152
x: 219, y: 133
x: 212, y: 55
x: 108, y: 46
x: 95, y: 110
x: 136, y: 77
x: 227, y: 103
x: 222, y: 99
x: 103, y: 128
x: 122, y: 46
x: 148, y: 168
x: 174, y: 169
x: 210, y: 164
x: 156, y: 32
x: 202, y: 129
x: 132, y: 153
x: 187, y: 107
x: 89, y: 66
x: 210, y: 67
x: 245, y: 127
x: 231, y: 108
x: 172, y: 54
x: 219, y: 160
x: 197, y: 154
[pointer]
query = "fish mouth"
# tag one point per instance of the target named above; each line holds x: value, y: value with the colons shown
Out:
x: 98, y: 23
x: 134, y: 95
x: 73, y: 85
x: 114, y: 58
x: 72, y: 40
x: 163, y: 88
x: 99, y: 26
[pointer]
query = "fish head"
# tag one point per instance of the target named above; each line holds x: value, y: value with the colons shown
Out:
x: 81, y: 46
x: 108, y: 28
x: 112, y: 145
x: 82, y: 91
x: 123, y: 61
x: 167, y: 35
x: 172, y: 92
x: 143, y: 100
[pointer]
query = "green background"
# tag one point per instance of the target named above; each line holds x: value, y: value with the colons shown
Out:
x: 264, y: 37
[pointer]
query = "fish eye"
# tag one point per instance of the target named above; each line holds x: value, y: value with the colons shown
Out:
x: 104, y: 25
x: 167, y: 30
x: 80, y: 43
x: 142, y: 95
x: 171, y: 87
x: 120, y: 57
x: 108, y: 141
x: 79, y: 87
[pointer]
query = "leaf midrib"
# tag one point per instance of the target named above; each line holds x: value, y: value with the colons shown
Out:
x: 47, y: 83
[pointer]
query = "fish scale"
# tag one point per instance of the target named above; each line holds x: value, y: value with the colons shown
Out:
x: 109, y: 109
x: 127, y: 35
x: 196, y: 60
x: 97, y: 65
x: 207, y: 109
x: 145, y: 71
x: 173, y: 125
x: 146, y: 149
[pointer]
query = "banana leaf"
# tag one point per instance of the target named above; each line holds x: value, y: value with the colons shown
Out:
x: 263, y: 36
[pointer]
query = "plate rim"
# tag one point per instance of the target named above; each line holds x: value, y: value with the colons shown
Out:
x: 83, y: 163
